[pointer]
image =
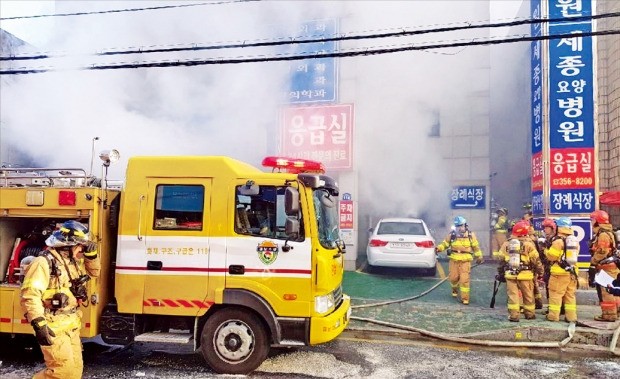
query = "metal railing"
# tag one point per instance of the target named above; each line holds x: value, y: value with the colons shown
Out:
x: 44, y: 177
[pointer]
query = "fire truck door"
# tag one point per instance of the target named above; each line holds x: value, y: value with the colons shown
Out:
x: 176, y: 257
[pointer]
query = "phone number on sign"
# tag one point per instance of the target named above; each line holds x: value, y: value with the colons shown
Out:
x: 572, y: 181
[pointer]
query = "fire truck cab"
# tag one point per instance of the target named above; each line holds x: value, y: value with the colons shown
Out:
x: 205, y: 251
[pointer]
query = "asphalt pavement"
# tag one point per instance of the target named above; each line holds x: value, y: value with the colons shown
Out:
x: 405, y: 299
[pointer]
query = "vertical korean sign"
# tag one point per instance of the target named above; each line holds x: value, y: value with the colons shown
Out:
x: 572, y: 171
x: 536, y: 72
x: 323, y: 133
x: 314, y: 80
x: 345, y: 210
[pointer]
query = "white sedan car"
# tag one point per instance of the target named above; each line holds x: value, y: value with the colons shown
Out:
x: 402, y: 242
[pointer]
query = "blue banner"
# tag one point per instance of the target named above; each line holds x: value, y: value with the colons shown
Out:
x: 569, y: 8
x: 583, y: 231
x: 571, y: 87
x: 568, y: 201
x: 536, y: 74
x: 468, y: 197
x: 314, y: 80
x: 571, y: 126
x: 537, y: 203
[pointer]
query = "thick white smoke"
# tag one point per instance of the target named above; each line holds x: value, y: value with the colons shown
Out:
x: 232, y: 109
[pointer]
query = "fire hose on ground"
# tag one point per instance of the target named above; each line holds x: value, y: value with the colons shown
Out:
x: 461, y: 339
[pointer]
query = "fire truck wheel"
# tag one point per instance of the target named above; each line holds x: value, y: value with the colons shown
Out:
x: 234, y: 341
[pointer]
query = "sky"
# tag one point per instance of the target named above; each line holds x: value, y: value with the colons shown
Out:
x: 232, y: 109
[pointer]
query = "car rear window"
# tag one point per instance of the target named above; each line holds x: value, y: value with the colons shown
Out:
x: 410, y: 228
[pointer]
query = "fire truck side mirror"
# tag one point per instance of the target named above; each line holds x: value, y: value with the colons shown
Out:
x: 291, y: 202
x: 291, y: 227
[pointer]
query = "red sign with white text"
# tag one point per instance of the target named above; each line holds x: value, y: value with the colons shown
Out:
x: 321, y: 133
x: 572, y: 168
x: 537, y: 172
x: 346, y: 214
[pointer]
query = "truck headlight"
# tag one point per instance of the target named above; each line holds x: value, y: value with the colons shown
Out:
x: 323, y: 303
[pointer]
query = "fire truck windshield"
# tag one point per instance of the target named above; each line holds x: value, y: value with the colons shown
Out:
x: 326, y: 209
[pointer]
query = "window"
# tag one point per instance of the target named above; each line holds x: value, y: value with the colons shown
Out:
x: 262, y: 214
x: 179, y: 207
x: 410, y: 228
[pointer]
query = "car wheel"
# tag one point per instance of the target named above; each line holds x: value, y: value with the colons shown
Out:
x: 234, y: 341
x: 431, y: 271
x: 369, y: 268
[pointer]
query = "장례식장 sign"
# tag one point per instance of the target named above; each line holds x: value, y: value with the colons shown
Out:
x: 468, y: 197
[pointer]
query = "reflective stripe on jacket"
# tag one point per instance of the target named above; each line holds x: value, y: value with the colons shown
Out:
x: 40, y: 285
x: 464, y: 247
x: 529, y: 258
x: 555, y: 253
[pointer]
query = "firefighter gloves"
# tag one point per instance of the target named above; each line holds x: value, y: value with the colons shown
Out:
x: 43, y: 332
x: 90, y: 250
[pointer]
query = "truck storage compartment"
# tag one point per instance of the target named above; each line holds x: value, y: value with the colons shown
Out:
x: 20, y: 238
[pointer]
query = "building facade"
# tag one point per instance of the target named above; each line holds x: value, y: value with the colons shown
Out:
x: 608, y: 75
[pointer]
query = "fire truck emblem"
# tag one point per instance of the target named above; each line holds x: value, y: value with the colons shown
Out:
x: 267, y: 252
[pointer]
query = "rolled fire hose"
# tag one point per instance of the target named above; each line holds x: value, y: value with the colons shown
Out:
x: 614, y: 341
x: 460, y: 339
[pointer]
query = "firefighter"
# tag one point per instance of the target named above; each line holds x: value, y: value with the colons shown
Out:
x: 461, y: 246
x: 533, y: 236
x: 53, y: 289
x: 602, y: 246
x: 563, y: 283
x: 549, y: 233
x: 521, y: 266
x: 499, y: 232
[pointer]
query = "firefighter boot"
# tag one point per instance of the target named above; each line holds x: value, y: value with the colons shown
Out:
x: 513, y: 316
x: 455, y: 291
x: 606, y: 316
x: 538, y: 303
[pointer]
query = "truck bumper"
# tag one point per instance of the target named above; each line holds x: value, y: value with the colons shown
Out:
x: 326, y: 328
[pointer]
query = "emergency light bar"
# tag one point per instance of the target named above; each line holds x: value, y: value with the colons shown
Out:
x: 294, y: 166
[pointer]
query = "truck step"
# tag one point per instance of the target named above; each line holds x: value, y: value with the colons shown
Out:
x: 160, y: 337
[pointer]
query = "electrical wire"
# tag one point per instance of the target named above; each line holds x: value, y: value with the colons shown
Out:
x: 275, y: 58
x: 125, y: 10
x: 299, y: 40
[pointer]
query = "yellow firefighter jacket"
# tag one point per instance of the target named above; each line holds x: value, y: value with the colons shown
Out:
x: 47, y: 276
x: 603, y: 246
x: 530, y: 260
x: 501, y: 226
x: 555, y: 253
x: 463, y: 247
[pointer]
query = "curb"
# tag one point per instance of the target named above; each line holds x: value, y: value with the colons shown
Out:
x: 583, y: 338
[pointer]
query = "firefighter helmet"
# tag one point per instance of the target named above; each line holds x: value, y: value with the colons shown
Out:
x: 521, y: 228
x: 502, y: 210
x: 459, y: 220
x: 549, y: 223
x: 564, y: 222
x: 600, y: 217
x: 70, y: 233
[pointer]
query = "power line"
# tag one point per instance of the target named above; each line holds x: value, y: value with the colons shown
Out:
x: 125, y: 10
x: 189, y: 63
x: 293, y: 40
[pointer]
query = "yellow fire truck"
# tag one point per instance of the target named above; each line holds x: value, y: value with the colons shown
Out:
x: 205, y: 251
